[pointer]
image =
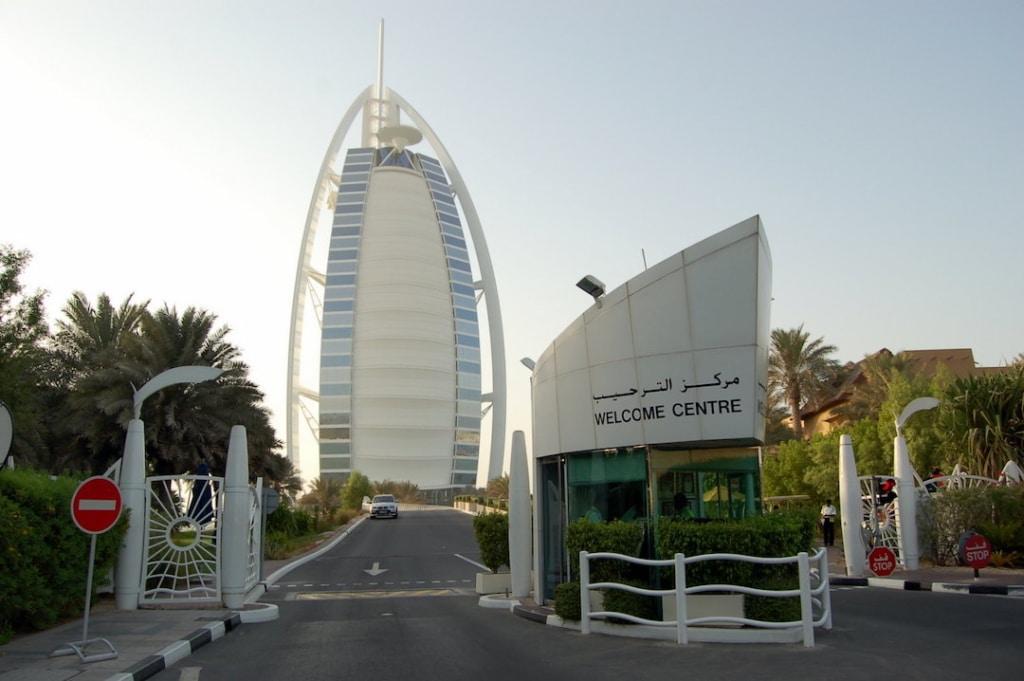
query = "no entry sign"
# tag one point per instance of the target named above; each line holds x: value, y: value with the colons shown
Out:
x: 96, y: 505
x: 882, y: 561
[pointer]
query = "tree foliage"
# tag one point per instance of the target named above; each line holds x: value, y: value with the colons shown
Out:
x: 982, y: 421
x: 24, y: 360
x: 800, y: 370
x: 356, y: 487
x: 70, y: 393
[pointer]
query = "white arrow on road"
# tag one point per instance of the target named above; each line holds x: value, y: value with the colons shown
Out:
x: 376, y: 569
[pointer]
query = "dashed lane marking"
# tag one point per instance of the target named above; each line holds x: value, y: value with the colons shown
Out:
x: 354, y: 595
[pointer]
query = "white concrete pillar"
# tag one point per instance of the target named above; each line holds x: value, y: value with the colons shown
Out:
x: 906, y: 504
x: 234, y: 531
x: 850, y: 509
x: 130, y: 558
x: 520, y: 532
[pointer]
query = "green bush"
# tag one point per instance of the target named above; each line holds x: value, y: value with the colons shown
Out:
x: 44, y: 555
x: 567, y: 601
x: 781, y: 534
x: 628, y: 603
x: 290, y: 521
x: 491, y: 531
x: 356, y: 487
x: 772, y: 608
x: 996, y: 512
x: 614, y: 537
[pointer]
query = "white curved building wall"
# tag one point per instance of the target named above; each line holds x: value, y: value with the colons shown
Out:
x: 400, y: 357
x: 678, y: 354
x: 403, y: 374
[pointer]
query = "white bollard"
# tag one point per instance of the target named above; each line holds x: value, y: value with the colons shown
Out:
x: 234, y: 533
x: 850, y: 509
x: 584, y: 593
x: 906, y: 505
x: 132, y: 481
x: 520, y: 535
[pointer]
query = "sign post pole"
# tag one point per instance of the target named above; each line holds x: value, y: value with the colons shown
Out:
x: 95, y: 508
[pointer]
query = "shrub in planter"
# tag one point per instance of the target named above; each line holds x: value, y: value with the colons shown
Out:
x: 770, y: 536
x: 638, y: 605
x: 614, y: 537
x: 775, y: 535
x: 567, y: 601
x: 771, y: 608
x: 491, y: 531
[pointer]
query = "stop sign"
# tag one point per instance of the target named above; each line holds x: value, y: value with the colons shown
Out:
x: 882, y: 561
x: 976, y: 551
x: 96, y: 505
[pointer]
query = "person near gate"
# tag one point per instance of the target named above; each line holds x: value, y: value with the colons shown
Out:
x: 828, y: 520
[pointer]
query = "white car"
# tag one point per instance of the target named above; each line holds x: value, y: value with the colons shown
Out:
x: 384, y: 506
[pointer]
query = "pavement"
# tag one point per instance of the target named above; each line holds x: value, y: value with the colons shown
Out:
x: 149, y: 640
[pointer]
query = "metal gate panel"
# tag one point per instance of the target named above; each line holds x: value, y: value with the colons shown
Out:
x: 182, y: 541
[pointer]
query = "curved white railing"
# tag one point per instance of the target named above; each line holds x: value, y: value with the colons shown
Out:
x: 813, y: 593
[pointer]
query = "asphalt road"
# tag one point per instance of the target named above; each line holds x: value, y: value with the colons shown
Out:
x: 353, y: 628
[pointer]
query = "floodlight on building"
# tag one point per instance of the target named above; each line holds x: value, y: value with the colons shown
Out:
x: 592, y: 286
x: 528, y: 363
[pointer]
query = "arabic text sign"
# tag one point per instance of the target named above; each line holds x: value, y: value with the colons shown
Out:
x: 882, y: 561
x: 976, y: 551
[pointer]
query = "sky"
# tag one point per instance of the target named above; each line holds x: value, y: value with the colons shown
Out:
x: 169, y: 150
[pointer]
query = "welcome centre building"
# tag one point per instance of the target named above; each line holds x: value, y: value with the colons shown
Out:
x: 652, y: 403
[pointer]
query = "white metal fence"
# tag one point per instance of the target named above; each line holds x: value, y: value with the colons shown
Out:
x: 813, y: 592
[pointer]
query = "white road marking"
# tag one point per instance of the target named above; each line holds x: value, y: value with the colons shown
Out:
x: 471, y: 562
x: 376, y: 570
x: 189, y: 674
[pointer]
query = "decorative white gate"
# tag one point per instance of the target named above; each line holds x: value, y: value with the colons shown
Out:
x: 252, y: 575
x: 182, y: 540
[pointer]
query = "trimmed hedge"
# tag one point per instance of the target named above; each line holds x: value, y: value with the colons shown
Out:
x: 44, y: 555
x: 491, y: 531
x: 777, y: 535
x: 615, y: 537
x: 567, y: 601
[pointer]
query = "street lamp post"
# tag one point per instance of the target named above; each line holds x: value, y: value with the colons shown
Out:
x: 906, y: 495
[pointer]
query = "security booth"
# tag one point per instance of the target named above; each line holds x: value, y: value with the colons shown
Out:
x: 652, y: 403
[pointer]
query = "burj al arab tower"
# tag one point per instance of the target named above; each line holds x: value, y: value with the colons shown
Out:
x: 399, y: 394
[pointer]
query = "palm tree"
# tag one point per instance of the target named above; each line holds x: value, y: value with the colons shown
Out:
x: 188, y: 424
x: 324, y: 496
x: 799, y: 370
x: 116, y: 349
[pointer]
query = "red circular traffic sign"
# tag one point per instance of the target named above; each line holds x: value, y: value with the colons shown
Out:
x: 96, y: 505
x: 977, y: 551
x: 882, y: 561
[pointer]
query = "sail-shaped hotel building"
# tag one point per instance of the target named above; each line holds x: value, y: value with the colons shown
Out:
x: 400, y: 391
